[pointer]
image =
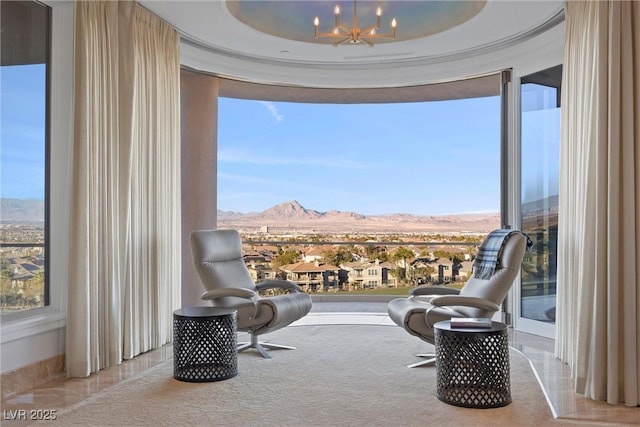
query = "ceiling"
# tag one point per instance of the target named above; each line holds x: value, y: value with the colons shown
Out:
x: 272, y: 42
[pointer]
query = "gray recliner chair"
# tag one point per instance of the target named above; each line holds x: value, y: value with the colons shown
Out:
x: 494, y: 270
x: 218, y: 259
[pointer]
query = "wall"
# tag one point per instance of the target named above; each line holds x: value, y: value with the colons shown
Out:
x: 199, y: 134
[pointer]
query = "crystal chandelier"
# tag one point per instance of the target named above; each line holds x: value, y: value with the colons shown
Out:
x: 355, y: 35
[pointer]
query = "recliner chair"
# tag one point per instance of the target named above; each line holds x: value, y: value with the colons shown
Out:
x: 218, y: 259
x: 481, y: 296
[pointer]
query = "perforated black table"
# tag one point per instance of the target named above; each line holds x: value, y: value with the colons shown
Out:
x: 204, y: 344
x: 472, y: 365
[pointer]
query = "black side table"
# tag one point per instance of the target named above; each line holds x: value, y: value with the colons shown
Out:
x: 472, y: 365
x: 205, y: 344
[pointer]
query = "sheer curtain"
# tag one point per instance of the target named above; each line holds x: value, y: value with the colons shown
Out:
x: 125, y: 241
x: 599, y: 223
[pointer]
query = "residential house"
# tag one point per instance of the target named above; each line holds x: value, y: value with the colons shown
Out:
x: 366, y: 275
x: 312, y: 276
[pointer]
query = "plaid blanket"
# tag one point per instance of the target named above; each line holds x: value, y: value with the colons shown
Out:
x: 488, y: 256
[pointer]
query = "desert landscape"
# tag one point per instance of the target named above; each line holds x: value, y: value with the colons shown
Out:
x: 292, y: 217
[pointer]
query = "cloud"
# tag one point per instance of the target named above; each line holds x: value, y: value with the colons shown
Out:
x: 273, y: 110
x: 255, y: 158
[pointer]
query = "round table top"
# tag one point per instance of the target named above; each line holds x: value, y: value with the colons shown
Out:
x: 204, y: 311
x: 445, y: 325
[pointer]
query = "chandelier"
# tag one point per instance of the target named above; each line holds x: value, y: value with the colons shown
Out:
x: 355, y: 35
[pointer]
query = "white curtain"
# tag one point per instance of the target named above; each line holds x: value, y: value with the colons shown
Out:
x: 598, y: 321
x: 125, y: 239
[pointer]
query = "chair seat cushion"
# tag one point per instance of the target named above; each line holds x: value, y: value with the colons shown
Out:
x: 273, y: 312
x: 411, y: 314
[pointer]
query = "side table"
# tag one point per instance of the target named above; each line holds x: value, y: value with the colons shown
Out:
x: 205, y: 344
x: 472, y: 365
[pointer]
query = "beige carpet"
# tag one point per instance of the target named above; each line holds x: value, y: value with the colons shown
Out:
x: 340, y: 375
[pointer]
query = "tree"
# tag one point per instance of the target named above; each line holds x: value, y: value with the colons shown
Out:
x: 424, y: 273
x: 6, y: 293
x: 373, y: 252
x: 288, y: 256
x: 337, y: 257
x: 403, y: 254
x: 398, y: 273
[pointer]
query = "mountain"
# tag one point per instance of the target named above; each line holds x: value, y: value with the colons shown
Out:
x: 292, y: 216
x: 291, y: 209
x: 25, y: 210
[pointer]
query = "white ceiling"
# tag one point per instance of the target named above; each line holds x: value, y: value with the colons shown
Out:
x: 215, y: 41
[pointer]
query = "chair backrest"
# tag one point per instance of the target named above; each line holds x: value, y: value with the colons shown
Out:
x: 497, y: 286
x: 217, y: 256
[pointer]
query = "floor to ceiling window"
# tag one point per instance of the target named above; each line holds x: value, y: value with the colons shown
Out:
x: 24, y: 130
x: 410, y: 170
x: 540, y: 150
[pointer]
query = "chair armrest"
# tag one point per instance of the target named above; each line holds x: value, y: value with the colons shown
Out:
x: 277, y: 284
x: 449, y: 300
x: 433, y: 290
x: 234, y: 292
x: 228, y: 292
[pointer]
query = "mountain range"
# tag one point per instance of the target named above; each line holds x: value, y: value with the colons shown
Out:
x: 25, y: 210
x: 293, y: 216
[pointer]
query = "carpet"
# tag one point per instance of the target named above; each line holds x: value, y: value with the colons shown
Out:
x: 340, y: 375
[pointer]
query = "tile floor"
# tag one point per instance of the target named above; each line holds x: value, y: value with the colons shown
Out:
x: 552, y: 374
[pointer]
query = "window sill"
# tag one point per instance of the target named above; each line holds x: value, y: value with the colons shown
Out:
x: 34, y: 322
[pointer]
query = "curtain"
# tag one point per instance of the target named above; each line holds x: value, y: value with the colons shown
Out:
x: 598, y: 325
x: 125, y: 241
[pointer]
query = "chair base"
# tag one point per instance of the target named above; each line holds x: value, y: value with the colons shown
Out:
x: 261, y: 347
x: 431, y: 360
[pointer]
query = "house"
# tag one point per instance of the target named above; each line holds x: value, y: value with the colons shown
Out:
x: 261, y: 272
x: 312, y: 276
x: 366, y: 275
x: 313, y: 253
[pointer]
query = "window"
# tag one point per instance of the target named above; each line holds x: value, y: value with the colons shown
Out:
x: 24, y: 134
x: 540, y: 97
x: 283, y: 165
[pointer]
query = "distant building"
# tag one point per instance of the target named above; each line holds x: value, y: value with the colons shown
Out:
x: 367, y: 275
x: 312, y: 276
x: 313, y: 253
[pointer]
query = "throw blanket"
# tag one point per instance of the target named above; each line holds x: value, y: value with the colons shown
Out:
x: 489, y: 251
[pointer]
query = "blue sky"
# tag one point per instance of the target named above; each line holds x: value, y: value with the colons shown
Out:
x: 420, y: 158
x: 22, y: 112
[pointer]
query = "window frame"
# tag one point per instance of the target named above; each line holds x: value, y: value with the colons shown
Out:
x: 46, y: 167
x: 39, y: 329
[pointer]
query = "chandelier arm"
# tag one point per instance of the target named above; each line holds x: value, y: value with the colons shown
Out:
x: 332, y: 35
x: 337, y: 42
x: 369, y: 28
x: 346, y: 30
